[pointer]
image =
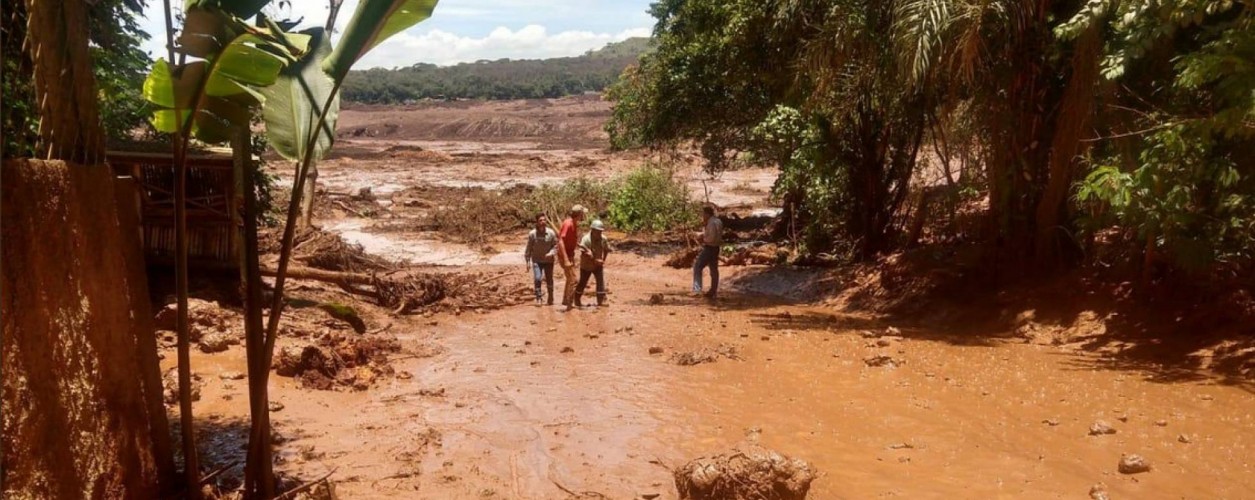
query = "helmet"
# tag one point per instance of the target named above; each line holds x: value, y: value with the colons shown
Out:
x: 598, y: 226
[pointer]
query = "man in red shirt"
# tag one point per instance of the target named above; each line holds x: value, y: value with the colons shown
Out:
x: 568, y: 240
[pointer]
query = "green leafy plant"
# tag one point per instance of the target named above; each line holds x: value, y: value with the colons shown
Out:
x: 650, y: 198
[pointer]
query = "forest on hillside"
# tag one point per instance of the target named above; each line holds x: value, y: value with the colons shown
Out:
x: 592, y: 71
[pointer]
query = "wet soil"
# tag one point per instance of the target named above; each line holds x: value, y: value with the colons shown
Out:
x: 531, y: 402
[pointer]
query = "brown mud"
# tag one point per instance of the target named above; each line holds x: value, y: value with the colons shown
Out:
x: 526, y: 401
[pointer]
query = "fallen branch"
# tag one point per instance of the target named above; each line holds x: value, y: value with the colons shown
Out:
x: 292, y: 492
x: 334, y: 277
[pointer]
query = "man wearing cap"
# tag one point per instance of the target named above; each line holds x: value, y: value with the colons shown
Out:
x: 568, y: 239
x: 593, y: 251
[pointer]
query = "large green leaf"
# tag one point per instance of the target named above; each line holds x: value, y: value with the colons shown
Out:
x: 214, y: 95
x: 296, y: 98
x: 373, y: 22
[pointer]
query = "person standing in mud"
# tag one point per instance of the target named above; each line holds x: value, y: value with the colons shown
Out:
x: 711, y: 238
x: 542, y: 246
x: 568, y: 239
x: 593, y: 251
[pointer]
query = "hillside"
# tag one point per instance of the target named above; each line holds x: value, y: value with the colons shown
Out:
x: 500, y: 79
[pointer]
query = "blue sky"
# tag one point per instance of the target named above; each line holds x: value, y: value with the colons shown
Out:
x: 469, y: 30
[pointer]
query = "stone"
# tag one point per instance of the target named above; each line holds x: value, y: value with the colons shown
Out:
x: 1098, y: 492
x: 869, y: 334
x: 567, y: 349
x: 275, y: 406
x: 1183, y: 438
x: 216, y: 342
x: 1101, y: 428
x: 655, y: 350
x: 881, y: 360
x: 1133, y: 464
x: 1161, y: 423
x: 1051, y: 422
x: 656, y: 299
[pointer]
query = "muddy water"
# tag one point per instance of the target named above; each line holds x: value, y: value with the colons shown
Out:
x: 505, y: 413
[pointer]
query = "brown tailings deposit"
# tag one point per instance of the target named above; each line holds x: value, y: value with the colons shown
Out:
x: 522, y: 401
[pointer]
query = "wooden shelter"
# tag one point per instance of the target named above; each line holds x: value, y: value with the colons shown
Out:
x: 213, y: 215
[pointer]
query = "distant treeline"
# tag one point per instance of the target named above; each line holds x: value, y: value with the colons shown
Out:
x: 500, y: 79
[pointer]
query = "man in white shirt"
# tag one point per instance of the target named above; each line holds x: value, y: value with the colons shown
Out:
x: 711, y: 238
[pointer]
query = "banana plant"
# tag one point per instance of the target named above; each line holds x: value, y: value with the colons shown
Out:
x: 302, y: 108
x: 209, y: 98
x: 296, y: 78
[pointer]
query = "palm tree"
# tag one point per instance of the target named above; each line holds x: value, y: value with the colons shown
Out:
x: 997, y: 53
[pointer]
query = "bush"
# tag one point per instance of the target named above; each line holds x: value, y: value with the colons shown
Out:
x: 555, y: 200
x: 650, y: 198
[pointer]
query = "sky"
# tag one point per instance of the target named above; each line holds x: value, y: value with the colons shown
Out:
x: 471, y: 30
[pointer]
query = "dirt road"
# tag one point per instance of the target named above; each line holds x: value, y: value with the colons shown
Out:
x: 532, y: 403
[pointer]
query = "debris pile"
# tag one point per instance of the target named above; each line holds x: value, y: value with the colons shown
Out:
x: 324, y: 250
x: 705, y: 355
x: 337, y: 361
x: 747, y: 471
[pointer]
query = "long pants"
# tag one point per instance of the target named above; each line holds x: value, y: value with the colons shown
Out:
x: 543, y: 270
x: 568, y: 286
x: 600, y: 274
x: 708, y: 257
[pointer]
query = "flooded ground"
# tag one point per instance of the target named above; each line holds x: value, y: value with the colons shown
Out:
x: 528, y: 402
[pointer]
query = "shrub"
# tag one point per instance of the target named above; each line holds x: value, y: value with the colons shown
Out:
x: 650, y: 198
x: 555, y: 200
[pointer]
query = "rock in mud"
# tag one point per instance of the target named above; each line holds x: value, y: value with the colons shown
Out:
x: 1133, y: 464
x: 655, y: 350
x: 747, y: 471
x: 217, y: 342
x: 656, y: 299
x: 567, y: 349
x: 199, y: 313
x: 1098, y: 492
x: 1161, y: 423
x: 1183, y: 438
x: 1101, y: 428
x: 274, y: 406
x: 231, y: 376
x: 170, y: 386
x: 882, y: 360
x: 870, y: 334
x: 704, y: 355
x: 1051, y: 422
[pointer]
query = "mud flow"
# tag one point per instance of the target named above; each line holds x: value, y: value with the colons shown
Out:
x: 483, y: 394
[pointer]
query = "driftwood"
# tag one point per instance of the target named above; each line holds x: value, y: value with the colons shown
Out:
x: 334, y: 277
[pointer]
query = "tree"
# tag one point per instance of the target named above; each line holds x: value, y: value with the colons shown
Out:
x: 730, y: 74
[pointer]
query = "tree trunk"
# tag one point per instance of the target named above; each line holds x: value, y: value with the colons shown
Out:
x: 306, y: 218
x: 1071, y: 124
x: 259, y: 469
x: 65, y: 88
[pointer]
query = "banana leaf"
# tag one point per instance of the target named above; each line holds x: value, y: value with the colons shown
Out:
x: 295, y: 99
x: 373, y: 22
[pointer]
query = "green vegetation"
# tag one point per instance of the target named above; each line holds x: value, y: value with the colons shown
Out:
x: 650, y: 199
x: 500, y: 79
x: 117, y: 62
x: 1130, y: 118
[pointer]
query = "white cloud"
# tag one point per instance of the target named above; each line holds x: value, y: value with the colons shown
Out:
x: 469, y: 30
x: 530, y: 42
